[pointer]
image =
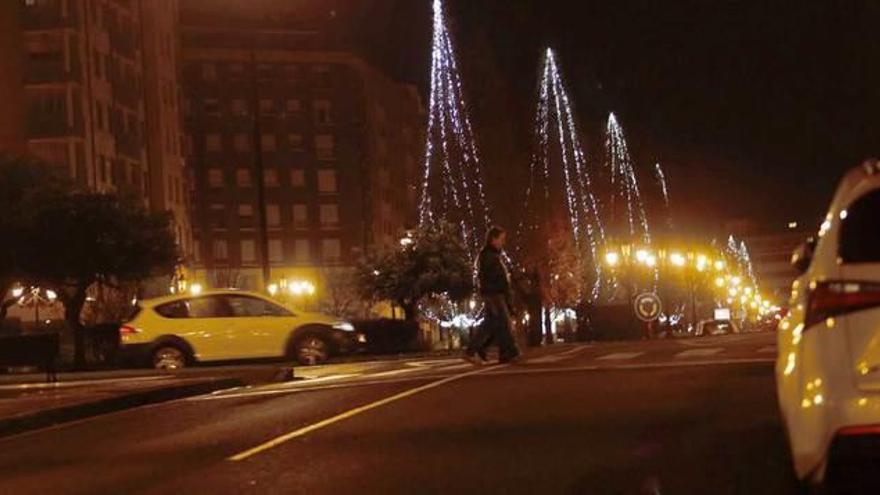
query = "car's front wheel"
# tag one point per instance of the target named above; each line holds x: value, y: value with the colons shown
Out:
x: 311, y: 349
x: 169, y: 357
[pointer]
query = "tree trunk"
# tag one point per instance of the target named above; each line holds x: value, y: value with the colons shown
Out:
x: 72, y: 310
x: 410, y: 310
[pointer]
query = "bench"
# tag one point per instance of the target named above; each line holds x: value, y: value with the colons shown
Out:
x: 40, y: 350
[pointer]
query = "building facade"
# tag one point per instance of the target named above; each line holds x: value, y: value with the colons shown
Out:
x: 91, y: 74
x: 335, y: 141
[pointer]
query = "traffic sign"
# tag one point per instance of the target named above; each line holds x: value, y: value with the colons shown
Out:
x: 648, y: 306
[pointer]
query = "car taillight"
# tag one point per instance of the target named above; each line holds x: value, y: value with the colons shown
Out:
x: 128, y: 330
x: 829, y: 299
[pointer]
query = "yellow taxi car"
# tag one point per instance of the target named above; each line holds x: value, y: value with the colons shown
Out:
x: 176, y: 331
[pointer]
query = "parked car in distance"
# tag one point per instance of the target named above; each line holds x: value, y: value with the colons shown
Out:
x: 828, y: 365
x: 707, y: 328
x: 176, y: 331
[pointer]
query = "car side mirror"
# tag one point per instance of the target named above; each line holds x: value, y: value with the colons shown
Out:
x: 803, y: 256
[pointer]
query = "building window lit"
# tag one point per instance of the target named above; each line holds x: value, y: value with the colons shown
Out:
x: 215, y: 177
x: 327, y: 181
x: 301, y: 252
x: 300, y: 216
x: 242, y: 142
x: 243, y: 177
x: 295, y: 141
x: 239, y: 107
x: 213, y: 143
x: 270, y: 177
x: 246, y: 211
x: 325, y: 147
x: 331, y: 250
x: 248, y: 251
x: 329, y: 216
x: 273, y: 215
x: 297, y: 177
x: 267, y: 106
x: 276, y: 250
x: 322, y: 111
x: 220, y: 250
x: 268, y: 142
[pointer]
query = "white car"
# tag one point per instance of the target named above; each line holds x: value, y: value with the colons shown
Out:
x: 828, y: 368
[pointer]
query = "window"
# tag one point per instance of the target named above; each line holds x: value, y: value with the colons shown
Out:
x: 265, y: 72
x: 276, y: 251
x: 331, y: 250
x: 297, y: 177
x: 273, y: 215
x: 327, y: 181
x: 208, y: 307
x: 242, y: 142
x: 211, y: 106
x: 270, y: 177
x: 239, y: 107
x: 322, y: 110
x: 267, y: 106
x: 322, y: 76
x: 268, y: 142
x: 209, y: 72
x: 300, y: 216
x: 217, y: 216
x: 246, y: 211
x: 291, y: 72
x: 295, y: 141
x: 292, y: 106
x: 860, y: 230
x: 176, y: 309
x: 243, y: 178
x: 197, y: 250
x: 244, y: 306
x: 248, y: 251
x: 213, y: 142
x: 324, y: 147
x: 215, y: 177
x: 220, y: 251
x: 301, y: 251
x: 236, y: 71
x: 329, y: 215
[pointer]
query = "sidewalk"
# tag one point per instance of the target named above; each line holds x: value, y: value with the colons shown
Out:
x: 27, y: 403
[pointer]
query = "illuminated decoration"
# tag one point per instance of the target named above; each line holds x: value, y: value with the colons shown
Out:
x: 452, y: 189
x: 560, y: 193
x: 746, y: 260
x: 661, y: 178
x: 624, y: 188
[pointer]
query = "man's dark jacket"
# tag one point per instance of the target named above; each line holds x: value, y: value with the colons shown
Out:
x: 492, y: 273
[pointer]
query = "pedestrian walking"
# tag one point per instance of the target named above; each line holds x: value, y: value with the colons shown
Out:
x: 493, y: 282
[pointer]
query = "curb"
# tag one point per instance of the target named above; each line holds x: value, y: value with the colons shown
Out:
x: 52, y: 417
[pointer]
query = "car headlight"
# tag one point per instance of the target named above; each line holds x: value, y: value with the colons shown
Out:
x: 344, y: 326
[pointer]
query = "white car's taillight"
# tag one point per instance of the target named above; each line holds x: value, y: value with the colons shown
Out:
x: 829, y: 299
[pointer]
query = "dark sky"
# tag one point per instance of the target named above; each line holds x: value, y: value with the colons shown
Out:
x: 754, y: 107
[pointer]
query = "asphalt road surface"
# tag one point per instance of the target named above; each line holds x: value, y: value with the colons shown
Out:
x: 695, y: 416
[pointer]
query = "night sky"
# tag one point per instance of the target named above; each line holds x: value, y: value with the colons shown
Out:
x: 755, y: 108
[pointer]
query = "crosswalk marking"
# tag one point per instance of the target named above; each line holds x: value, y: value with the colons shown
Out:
x: 552, y: 358
x: 395, y: 372
x: 619, y: 356
x: 699, y: 352
x: 770, y: 349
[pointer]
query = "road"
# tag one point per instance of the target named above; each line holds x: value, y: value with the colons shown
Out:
x: 685, y: 416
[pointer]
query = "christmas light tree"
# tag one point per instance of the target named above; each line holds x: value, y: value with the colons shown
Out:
x: 627, y: 216
x: 452, y: 189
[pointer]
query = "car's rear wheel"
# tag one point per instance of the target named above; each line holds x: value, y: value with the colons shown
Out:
x: 311, y: 349
x: 169, y: 357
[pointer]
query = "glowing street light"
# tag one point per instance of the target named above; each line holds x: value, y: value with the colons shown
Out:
x: 677, y: 259
x: 612, y: 258
x: 642, y: 255
x: 195, y: 289
x: 719, y: 265
x: 17, y: 292
x: 719, y: 281
x: 51, y: 295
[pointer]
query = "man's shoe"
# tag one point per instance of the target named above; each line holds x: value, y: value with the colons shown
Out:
x: 473, y: 359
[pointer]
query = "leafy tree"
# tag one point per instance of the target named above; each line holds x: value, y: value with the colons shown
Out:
x: 81, y: 239
x: 24, y: 185
x: 433, y: 262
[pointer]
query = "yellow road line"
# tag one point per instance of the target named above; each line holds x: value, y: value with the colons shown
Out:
x: 351, y: 413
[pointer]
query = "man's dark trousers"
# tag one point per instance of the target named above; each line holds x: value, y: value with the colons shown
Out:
x: 495, y: 326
